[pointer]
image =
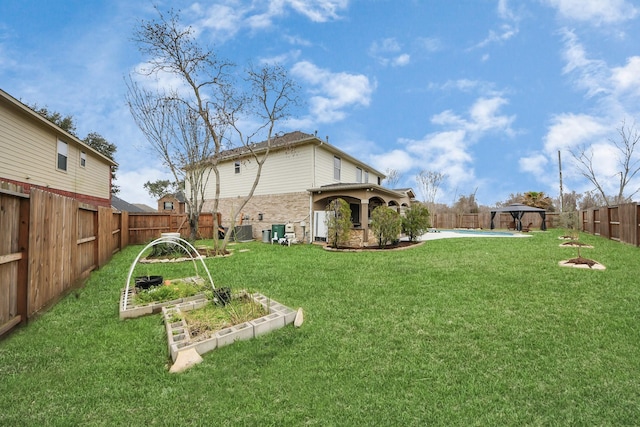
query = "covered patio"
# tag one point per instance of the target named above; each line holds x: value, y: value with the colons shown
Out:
x: 363, y: 198
x: 517, y: 211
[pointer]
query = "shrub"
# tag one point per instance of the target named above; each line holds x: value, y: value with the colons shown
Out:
x: 416, y: 221
x: 386, y: 224
x: 338, y: 222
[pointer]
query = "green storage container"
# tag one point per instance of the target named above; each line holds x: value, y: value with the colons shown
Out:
x: 279, y: 229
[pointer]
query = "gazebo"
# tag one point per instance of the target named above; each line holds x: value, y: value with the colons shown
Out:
x: 517, y: 211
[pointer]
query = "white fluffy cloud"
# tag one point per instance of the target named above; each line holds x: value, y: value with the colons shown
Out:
x: 389, y: 52
x: 332, y: 93
x: 225, y: 19
x: 570, y: 130
x: 450, y: 150
x: 595, y: 11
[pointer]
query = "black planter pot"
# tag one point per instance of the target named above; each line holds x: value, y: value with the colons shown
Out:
x: 223, y: 295
x: 145, y: 282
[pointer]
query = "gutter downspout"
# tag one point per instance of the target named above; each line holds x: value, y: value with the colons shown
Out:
x: 312, y: 222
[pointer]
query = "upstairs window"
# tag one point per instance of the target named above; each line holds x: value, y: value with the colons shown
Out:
x: 83, y: 159
x: 168, y: 206
x: 237, y: 167
x: 63, y: 151
x: 336, y: 168
x: 358, y: 175
x: 366, y: 177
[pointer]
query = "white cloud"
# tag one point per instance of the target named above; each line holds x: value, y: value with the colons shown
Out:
x: 627, y: 78
x: 483, y: 117
x: 450, y: 150
x: 225, y: 19
x: 389, y: 52
x: 591, y: 74
x: 596, y: 12
x: 507, y: 30
x: 571, y: 130
x: 317, y: 10
x: 401, y: 60
x: 429, y: 44
x: 131, y: 184
x: 396, y: 159
x: 332, y: 93
x: 535, y: 164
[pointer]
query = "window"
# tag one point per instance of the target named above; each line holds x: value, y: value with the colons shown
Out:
x: 237, y: 167
x: 83, y: 159
x: 168, y: 206
x: 336, y: 168
x: 63, y: 151
x: 358, y: 175
x: 366, y: 177
x: 379, y: 181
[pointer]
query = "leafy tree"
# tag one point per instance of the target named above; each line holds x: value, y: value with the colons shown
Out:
x: 513, y: 198
x: 416, y: 221
x: 161, y: 187
x: 104, y: 147
x: 66, y: 122
x: 190, y: 125
x: 537, y: 199
x: 386, y: 224
x: 338, y: 222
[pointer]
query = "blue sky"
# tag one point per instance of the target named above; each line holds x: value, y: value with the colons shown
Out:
x: 485, y: 91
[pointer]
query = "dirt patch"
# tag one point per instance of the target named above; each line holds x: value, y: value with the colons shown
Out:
x: 574, y: 244
x: 581, y: 262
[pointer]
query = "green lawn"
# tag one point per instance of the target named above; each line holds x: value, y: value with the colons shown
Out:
x: 471, y: 331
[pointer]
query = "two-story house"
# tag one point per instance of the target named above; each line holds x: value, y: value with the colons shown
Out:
x: 35, y: 152
x: 301, y: 176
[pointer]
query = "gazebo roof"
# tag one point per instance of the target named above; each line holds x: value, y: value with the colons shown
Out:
x: 518, y: 207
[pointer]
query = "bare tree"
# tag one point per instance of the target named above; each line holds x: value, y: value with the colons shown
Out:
x: 209, y: 106
x: 392, y: 179
x: 629, y: 164
x: 177, y: 134
x: 429, y: 183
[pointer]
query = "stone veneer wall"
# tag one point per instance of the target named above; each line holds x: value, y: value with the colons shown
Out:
x: 275, y: 209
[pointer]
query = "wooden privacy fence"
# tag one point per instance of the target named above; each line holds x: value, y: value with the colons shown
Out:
x: 48, y: 244
x: 483, y: 220
x: 143, y: 227
x: 621, y: 223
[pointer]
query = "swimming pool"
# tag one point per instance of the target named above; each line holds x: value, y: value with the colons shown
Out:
x: 446, y: 234
x: 481, y: 232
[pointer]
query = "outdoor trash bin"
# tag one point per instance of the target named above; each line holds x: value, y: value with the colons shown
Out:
x: 266, y: 236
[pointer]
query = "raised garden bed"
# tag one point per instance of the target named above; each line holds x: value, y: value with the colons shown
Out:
x: 182, y: 336
x: 171, y: 292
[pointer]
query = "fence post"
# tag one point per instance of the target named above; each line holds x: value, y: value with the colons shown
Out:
x: 23, y: 264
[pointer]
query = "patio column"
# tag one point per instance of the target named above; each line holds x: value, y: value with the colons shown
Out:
x: 364, y: 219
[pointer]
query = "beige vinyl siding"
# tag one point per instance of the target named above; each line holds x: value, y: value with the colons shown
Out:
x: 324, y: 167
x: 285, y: 171
x: 29, y: 154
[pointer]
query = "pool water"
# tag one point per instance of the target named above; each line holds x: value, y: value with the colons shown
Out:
x: 481, y: 232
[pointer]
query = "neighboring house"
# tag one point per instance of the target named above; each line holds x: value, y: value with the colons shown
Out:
x: 145, y: 208
x: 35, y: 152
x: 299, y: 179
x: 123, y: 206
x: 174, y: 203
